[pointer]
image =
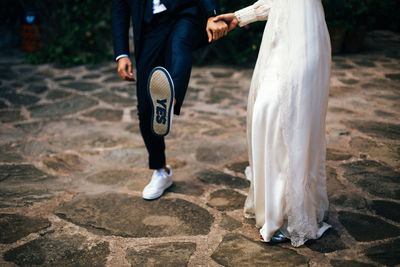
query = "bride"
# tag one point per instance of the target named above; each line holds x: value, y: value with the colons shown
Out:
x: 286, y: 119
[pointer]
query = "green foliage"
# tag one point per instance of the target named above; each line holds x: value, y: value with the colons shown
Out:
x: 350, y: 14
x: 79, y: 31
x: 74, y: 31
x: 386, y: 14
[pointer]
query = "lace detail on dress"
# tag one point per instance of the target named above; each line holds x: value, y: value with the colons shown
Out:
x: 256, y: 12
x: 246, y: 16
x: 304, y: 220
x: 300, y: 224
x: 249, y: 204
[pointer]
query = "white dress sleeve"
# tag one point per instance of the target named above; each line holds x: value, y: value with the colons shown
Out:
x: 258, y: 11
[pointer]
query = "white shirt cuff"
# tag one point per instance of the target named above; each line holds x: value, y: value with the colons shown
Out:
x: 121, y: 56
x: 158, y: 9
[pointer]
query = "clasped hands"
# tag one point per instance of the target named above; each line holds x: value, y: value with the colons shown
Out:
x: 217, y: 27
x: 220, y: 25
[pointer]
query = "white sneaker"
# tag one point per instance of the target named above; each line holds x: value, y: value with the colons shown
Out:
x: 160, y: 181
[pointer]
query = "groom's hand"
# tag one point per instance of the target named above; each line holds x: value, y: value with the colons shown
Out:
x: 229, y: 18
x: 125, y: 69
x: 216, y: 30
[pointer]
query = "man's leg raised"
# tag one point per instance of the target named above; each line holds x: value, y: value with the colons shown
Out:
x: 152, y: 55
x: 183, y: 39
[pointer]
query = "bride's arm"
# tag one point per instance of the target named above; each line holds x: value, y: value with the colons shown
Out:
x: 257, y: 11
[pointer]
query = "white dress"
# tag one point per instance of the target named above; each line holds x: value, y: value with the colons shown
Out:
x: 286, y: 119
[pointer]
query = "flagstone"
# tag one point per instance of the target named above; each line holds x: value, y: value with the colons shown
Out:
x: 131, y: 216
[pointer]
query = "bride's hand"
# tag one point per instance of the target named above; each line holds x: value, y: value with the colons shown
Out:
x: 229, y: 18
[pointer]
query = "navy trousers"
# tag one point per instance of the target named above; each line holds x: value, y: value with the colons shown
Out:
x: 167, y: 41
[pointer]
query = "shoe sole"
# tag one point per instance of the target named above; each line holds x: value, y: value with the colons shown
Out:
x: 274, y: 241
x: 160, y: 89
x: 158, y: 195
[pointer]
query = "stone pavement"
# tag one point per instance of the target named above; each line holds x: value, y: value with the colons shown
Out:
x: 72, y: 167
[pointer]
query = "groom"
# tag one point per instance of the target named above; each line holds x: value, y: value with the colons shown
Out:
x: 165, y: 34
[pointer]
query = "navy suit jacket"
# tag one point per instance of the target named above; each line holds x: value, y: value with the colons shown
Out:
x: 123, y: 10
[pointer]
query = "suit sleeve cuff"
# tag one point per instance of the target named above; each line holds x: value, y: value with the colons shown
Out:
x: 121, y: 56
